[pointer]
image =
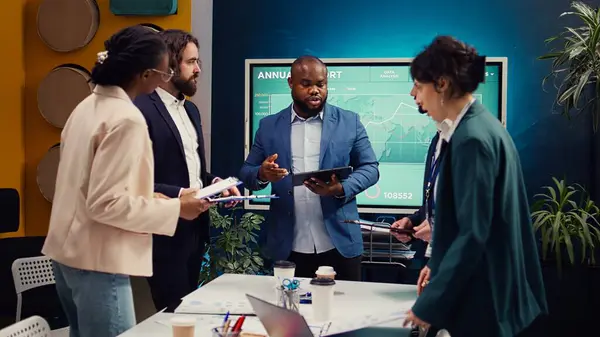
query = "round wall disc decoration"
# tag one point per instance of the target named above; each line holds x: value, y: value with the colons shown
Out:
x: 67, y: 25
x: 46, y: 172
x: 60, y: 92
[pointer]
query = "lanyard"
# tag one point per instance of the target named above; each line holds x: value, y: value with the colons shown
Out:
x: 430, y: 187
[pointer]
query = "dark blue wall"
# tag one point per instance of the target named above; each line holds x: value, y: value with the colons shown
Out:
x: 548, y: 144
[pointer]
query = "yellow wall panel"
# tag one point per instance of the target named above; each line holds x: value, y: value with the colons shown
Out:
x: 11, y: 114
x: 39, y: 60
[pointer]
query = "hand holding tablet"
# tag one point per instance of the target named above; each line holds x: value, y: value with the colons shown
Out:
x: 326, y: 183
x: 341, y: 174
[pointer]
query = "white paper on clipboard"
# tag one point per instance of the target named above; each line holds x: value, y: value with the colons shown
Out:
x: 242, y: 198
x: 217, y: 188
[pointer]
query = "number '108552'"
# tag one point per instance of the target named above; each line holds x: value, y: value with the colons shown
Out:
x: 398, y: 195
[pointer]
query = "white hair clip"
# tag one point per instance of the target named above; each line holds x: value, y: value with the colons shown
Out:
x: 102, y: 56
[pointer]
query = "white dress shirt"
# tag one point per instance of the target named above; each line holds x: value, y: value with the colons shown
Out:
x: 446, y: 129
x: 188, y: 134
x: 310, y: 233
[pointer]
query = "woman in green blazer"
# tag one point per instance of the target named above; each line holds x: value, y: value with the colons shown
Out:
x: 485, y: 277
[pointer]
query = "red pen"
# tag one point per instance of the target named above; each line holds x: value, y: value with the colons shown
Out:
x: 237, y: 327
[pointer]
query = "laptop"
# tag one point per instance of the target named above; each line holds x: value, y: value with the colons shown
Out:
x: 281, y: 322
x: 278, y: 321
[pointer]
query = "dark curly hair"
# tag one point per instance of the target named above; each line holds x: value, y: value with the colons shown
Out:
x: 452, y: 59
x: 177, y: 40
x: 130, y: 52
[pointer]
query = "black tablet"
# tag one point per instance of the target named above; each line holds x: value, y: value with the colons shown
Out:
x: 323, y: 175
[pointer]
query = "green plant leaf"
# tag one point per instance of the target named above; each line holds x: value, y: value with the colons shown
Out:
x: 575, y: 56
x: 565, y: 214
x: 568, y: 244
x: 230, y: 251
x: 583, y: 80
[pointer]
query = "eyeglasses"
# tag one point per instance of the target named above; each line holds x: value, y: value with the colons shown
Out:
x: 166, y: 77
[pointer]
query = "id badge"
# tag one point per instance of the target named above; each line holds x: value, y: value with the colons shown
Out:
x: 430, y: 243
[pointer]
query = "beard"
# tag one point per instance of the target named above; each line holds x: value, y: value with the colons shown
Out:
x: 307, y: 109
x: 187, y: 87
x: 420, y: 109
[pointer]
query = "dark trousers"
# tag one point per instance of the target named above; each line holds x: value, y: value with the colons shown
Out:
x: 348, y: 269
x: 175, y: 275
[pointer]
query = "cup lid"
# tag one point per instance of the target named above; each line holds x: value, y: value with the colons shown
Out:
x: 328, y: 270
x: 183, y: 320
x: 284, y: 264
x: 322, y: 281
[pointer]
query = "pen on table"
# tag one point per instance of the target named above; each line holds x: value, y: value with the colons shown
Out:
x: 237, y: 327
x: 225, y: 320
x: 226, y: 327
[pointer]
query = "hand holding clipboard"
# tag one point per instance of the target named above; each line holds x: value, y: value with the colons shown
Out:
x: 407, y: 231
x: 422, y: 231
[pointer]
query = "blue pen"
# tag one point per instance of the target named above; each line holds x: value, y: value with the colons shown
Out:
x: 226, y: 318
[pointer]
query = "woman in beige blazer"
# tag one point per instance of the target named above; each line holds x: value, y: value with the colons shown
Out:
x: 104, y: 211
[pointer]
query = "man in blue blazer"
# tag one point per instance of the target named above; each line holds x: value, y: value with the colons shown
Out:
x: 306, y: 224
x: 175, y: 128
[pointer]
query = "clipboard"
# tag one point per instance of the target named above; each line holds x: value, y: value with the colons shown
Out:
x: 382, y: 225
x: 342, y: 173
x: 217, y: 188
x: 242, y: 198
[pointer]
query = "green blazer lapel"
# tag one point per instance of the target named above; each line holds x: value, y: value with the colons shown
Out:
x: 474, y: 110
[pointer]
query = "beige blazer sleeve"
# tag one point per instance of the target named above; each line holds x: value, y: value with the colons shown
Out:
x: 119, y: 194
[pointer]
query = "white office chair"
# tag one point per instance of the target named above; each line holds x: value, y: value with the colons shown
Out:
x: 29, y: 273
x: 34, y: 326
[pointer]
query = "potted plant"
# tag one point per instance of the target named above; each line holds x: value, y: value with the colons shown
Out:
x: 234, y: 249
x: 565, y: 218
x: 576, y: 63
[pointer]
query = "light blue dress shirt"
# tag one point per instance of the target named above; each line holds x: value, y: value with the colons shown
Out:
x: 310, y: 234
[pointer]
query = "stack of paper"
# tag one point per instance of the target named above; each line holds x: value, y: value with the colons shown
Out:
x: 195, y: 306
x: 352, y: 323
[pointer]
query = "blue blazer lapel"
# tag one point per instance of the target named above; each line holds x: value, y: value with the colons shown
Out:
x: 329, y: 123
x: 283, y: 128
x: 162, y: 109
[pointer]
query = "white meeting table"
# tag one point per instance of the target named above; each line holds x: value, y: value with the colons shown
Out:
x: 354, y: 300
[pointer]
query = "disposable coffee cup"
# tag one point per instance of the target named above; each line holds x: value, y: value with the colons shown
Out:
x: 183, y: 326
x: 283, y: 270
x: 325, y: 272
x: 322, y: 298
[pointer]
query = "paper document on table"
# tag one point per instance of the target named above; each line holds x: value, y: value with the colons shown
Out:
x: 218, y: 187
x: 206, y: 307
x: 352, y: 323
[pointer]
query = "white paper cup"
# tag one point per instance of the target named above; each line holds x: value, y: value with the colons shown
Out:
x: 325, y: 272
x: 322, y: 298
x: 183, y: 326
x: 282, y: 270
